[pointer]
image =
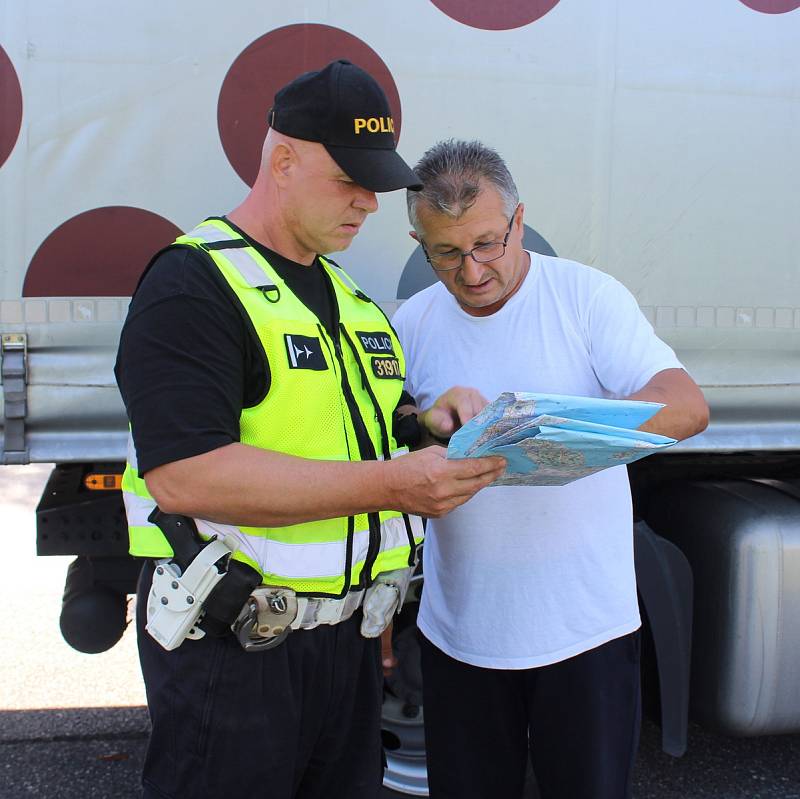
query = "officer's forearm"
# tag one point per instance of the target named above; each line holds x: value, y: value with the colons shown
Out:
x: 243, y: 485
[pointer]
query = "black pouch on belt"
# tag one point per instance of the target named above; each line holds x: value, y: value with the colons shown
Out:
x: 228, y: 597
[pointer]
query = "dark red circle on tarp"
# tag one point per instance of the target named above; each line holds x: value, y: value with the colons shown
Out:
x: 501, y: 15
x: 272, y: 61
x: 98, y: 253
x: 772, y: 6
x: 10, y: 106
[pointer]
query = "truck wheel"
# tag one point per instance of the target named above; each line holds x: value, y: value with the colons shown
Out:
x: 402, y: 727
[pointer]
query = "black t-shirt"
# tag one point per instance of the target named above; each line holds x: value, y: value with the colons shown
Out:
x: 188, y: 359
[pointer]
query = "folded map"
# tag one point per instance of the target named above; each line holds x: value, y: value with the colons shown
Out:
x: 552, y: 439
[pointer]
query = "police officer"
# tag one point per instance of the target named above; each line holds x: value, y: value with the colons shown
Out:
x: 261, y: 386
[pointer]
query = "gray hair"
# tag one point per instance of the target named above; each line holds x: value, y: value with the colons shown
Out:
x: 451, y: 173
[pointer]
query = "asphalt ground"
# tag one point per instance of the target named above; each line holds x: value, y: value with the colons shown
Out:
x: 74, y: 726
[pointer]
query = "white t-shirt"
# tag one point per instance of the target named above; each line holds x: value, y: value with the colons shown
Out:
x: 523, y: 576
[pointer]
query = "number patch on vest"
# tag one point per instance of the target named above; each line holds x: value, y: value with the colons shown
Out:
x: 379, y: 343
x: 387, y: 368
x: 305, y: 352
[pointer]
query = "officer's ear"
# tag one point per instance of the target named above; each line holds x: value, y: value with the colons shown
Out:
x: 413, y: 234
x: 282, y: 159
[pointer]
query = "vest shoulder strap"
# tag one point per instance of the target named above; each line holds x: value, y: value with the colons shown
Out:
x: 343, y: 278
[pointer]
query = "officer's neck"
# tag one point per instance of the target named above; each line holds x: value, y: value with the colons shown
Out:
x: 265, y: 225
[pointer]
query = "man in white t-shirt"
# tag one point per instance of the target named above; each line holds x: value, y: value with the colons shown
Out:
x: 529, y: 616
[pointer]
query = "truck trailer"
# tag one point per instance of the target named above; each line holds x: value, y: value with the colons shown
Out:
x: 658, y: 141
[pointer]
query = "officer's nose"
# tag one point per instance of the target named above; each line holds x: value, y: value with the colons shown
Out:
x: 366, y: 200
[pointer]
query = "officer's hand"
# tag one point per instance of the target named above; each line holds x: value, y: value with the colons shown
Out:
x: 388, y: 660
x: 426, y: 483
x: 450, y: 411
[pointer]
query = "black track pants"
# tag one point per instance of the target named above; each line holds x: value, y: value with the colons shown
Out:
x: 301, y: 721
x: 578, y: 719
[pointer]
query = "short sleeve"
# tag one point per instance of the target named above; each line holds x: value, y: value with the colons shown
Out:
x: 399, y: 322
x: 181, y: 365
x: 625, y: 352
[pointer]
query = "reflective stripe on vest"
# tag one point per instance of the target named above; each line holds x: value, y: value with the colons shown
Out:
x: 293, y: 561
x: 302, y: 420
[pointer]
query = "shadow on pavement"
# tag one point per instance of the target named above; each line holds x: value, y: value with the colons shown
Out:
x: 81, y: 753
x: 72, y: 753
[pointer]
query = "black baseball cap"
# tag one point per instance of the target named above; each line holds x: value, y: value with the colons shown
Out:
x: 343, y: 108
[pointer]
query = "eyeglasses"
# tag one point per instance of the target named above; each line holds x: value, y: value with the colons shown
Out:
x: 482, y: 254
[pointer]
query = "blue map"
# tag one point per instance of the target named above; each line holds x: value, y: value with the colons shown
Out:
x: 552, y: 439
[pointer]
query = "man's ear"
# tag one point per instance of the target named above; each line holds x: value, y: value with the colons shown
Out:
x: 521, y: 216
x: 413, y: 234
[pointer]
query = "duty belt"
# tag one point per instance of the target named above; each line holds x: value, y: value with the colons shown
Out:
x: 271, y: 613
x: 202, y: 590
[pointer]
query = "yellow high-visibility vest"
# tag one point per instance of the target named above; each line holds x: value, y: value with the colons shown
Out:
x: 317, y: 386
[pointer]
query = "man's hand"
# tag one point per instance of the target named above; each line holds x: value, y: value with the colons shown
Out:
x: 450, y: 411
x: 388, y: 660
x: 427, y: 484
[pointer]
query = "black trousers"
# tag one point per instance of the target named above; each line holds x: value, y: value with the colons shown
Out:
x: 578, y: 720
x: 300, y: 721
